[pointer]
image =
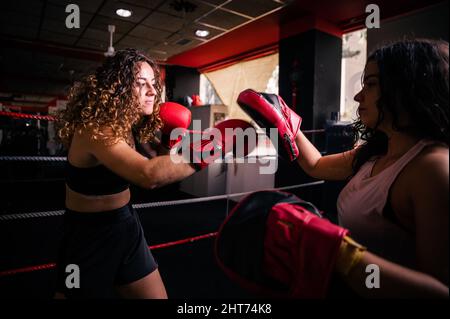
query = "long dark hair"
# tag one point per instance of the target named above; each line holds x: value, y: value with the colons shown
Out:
x: 413, y: 77
x: 105, y: 99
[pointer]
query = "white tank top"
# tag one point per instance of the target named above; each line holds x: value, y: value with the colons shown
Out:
x: 360, y: 209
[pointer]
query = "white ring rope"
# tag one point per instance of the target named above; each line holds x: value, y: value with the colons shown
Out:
x: 33, y: 158
x: 63, y: 158
x: 154, y: 204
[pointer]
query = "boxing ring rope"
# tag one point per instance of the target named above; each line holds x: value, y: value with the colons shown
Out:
x: 11, y: 272
x: 33, y: 158
x: 155, y: 204
x: 21, y: 158
x: 27, y: 116
x: 52, y: 118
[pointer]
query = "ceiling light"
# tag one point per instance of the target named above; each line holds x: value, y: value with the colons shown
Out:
x: 123, y: 13
x: 202, y: 33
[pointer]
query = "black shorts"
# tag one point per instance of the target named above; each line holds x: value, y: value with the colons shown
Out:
x: 109, y: 250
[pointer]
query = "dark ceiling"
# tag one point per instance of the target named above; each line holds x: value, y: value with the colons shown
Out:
x: 40, y: 56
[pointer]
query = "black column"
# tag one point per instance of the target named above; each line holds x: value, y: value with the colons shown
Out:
x: 181, y: 82
x: 311, y: 63
x: 310, y: 66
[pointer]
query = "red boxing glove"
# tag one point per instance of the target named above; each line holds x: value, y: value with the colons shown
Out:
x: 173, y: 115
x: 270, y: 111
x: 213, y: 143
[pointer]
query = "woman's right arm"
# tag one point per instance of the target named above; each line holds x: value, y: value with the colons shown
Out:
x: 136, y: 168
x: 330, y: 167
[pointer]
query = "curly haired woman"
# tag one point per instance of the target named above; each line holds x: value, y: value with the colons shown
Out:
x: 102, y: 232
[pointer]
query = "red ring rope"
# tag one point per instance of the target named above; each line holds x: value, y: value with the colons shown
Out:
x: 52, y: 118
x: 27, y: 116
x: 11, y: 272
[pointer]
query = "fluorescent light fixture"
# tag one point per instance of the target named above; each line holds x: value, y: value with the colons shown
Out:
x: 123, y: 13
x: 202, y: 33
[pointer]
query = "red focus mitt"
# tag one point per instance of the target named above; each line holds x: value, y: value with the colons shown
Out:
x: 270, y: 111
x: 275, y: 244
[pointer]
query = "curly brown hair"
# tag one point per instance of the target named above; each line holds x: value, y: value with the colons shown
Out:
x: 105, y: 102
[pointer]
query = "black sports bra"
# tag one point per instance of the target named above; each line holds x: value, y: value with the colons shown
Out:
x: 96, y: 180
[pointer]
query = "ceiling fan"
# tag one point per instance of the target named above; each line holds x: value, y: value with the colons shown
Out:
x: 110, y: 52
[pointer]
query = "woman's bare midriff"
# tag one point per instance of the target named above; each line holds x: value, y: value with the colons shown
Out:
x: 99, y: 203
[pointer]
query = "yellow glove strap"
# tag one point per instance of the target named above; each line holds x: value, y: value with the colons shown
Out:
x: 350, y: 254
